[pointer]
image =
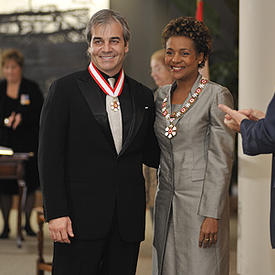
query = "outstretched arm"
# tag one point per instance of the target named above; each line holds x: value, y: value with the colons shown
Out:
x: 257, y: 130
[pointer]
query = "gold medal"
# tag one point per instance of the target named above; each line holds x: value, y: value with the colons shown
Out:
x: 115, y: 105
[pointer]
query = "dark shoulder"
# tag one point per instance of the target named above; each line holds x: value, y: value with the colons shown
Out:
x: 68, y: 82
x: 140, y: 88
x: 29, y: 85
x: 29, y: 82
x: 3, y: 83
x: 70, y: 78
x: 3, y: 86
x: 67, y: 85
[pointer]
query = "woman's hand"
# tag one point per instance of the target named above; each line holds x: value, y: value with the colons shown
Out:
x: 13, y: 120
x: 208, y: 233
x: 17, y: 121
x: 9, y: 121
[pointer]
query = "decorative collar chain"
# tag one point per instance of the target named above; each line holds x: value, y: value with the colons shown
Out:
x: 171, y: 130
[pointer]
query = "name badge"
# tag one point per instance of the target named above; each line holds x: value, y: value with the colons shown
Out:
x: 25, y: 99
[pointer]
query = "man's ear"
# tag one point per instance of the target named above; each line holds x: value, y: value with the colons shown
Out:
x: 126, y: 50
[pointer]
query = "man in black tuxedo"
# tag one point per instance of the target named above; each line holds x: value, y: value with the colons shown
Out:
x: 94, y: 136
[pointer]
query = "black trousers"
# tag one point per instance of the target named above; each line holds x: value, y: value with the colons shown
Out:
x: 109, y: 256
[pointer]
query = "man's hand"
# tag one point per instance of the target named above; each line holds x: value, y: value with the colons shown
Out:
x: 232, y: 118
x: 253, y: 114
x: 60, y: 229
x: 208, y: 233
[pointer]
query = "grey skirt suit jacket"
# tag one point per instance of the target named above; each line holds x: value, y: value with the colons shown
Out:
x: 194, y: 176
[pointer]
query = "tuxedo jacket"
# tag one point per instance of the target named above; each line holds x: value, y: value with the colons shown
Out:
x: 259, y: 138
x: 81, y: 174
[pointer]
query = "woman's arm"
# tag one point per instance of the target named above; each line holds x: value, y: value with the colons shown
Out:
x: 218, y: 170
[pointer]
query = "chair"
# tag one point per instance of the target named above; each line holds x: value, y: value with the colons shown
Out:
x: 41, y: 265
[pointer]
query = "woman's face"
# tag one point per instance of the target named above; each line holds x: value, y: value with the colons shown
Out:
x: 182, y: 58
x: 12, y: 71
x: 160, y: 73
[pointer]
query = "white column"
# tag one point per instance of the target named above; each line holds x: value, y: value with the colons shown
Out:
x: 256, y: 88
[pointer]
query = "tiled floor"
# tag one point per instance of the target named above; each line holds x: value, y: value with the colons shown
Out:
x: 14, y: 261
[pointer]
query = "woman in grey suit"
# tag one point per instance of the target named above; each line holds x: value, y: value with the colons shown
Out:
x: 191, y: 209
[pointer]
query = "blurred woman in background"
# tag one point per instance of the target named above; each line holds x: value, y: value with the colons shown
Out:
x: 20, y: 105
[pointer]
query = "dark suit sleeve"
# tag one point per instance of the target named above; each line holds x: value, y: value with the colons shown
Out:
x: 51, y: 154
x: 258, y: 137
x: 151, y: 152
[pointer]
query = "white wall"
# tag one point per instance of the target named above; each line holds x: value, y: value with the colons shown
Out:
x: 256, y: 88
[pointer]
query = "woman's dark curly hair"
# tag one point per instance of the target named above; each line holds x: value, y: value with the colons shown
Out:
x: 193, y: 29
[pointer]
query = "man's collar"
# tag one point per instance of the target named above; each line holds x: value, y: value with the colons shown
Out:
x: 105, y: 76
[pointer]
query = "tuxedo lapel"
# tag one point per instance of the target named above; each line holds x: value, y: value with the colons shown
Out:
x: 138, y: 113
x: 91, y: 93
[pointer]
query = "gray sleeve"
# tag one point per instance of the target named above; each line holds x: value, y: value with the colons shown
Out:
x: 219, y: 159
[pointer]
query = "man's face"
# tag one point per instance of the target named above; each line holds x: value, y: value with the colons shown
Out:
x: 107, y: 47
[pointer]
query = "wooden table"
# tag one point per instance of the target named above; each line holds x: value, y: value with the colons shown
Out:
x: 12, y: 167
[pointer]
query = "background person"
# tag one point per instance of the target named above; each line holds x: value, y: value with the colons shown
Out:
x: 192, y: 202
x: 20, y: 105
x: 159, y: 71
x: 258, y: 137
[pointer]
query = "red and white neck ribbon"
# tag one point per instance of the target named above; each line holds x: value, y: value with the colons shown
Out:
x: 104, y: 85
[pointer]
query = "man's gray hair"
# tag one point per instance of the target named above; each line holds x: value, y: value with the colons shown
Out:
x: 106, y: 16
